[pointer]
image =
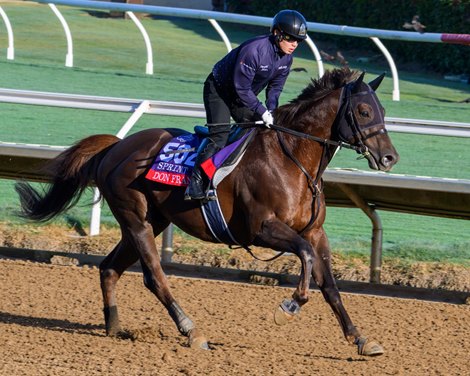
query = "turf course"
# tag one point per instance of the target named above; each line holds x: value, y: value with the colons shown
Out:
x: 110, y: 61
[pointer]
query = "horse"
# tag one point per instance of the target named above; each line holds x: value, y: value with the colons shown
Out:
x: 273, y: 198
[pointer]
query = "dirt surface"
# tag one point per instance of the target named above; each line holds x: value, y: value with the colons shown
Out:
x: 190, y: 251
x: 51, y: 324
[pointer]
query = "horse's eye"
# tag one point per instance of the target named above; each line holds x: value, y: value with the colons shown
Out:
x: 365, y: 113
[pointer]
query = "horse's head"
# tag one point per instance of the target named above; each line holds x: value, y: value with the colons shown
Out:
x: 360, y: 122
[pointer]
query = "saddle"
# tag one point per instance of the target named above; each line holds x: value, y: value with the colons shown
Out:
x: 174, y: 163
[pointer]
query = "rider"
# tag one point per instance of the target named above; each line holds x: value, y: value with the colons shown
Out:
x: 232, y: 87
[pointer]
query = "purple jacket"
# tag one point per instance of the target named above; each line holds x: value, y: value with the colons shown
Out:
x: 256, y: 64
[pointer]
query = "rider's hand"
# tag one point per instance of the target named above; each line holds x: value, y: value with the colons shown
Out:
x: 267, y: 119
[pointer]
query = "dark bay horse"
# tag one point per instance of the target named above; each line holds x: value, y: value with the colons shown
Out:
x: 272, y: 199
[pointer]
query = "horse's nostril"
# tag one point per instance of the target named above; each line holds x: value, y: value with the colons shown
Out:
x: 388, y: 160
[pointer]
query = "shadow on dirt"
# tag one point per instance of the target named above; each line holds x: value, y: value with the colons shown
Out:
x: 52, y: 324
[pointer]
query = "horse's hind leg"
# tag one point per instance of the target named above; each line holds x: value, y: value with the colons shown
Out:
x: 323, y: 276
x: 156, y: 281
x: 139, y: 229
x: 111, y: 269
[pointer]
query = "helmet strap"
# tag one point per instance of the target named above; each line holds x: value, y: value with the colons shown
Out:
x: 277, y: 36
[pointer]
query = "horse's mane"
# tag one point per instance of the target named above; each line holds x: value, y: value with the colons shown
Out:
x: 316, y: 90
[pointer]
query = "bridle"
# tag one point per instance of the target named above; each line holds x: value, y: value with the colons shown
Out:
x: 347, y: 133
x: 346, y: 125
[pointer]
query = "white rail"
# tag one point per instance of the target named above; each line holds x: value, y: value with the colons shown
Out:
x: 68, y: 35
x: 11, y: 47
x: 153, y: 107
x: 373, y: 34
x: 266, y: 21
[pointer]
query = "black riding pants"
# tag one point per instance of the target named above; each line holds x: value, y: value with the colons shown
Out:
x: 220, y: 106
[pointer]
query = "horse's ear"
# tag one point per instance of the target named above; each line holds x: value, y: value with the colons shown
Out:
x: 358, y: 82
x: 374, y: 84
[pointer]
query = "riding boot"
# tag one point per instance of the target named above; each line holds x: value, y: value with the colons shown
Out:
x: 196, y: 189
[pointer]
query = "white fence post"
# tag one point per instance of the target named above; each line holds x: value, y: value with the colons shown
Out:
x: 393, y: 68
x: 221, y: 32
x: 316, y: 53
x: 148, y: 45
x: 68, y: 35
x: 95, y: 213
x: 96, y: 209
x: 10, y: 49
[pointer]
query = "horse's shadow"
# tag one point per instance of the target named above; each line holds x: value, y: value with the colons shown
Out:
x: 52, y: 324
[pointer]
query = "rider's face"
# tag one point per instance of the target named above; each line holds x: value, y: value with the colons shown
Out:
x: 288, y: 44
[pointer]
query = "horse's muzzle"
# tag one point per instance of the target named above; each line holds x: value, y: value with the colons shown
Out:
x: 382, y: 163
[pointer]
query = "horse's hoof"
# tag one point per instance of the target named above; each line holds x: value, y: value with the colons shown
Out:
x: 114, y: 331
x: 286, y: 312
x: 197, y: 340
x: 368, y: 348
x: 281, y: 317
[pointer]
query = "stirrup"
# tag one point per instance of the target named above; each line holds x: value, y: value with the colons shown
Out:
x: 188, y: 197
x: 211, y: 195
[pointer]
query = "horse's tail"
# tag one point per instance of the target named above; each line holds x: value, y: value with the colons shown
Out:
x: 69, y: 174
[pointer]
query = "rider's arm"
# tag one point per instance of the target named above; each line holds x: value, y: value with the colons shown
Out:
x: 243, y: 75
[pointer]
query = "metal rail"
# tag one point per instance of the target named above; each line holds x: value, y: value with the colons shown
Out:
x: 418, y: 126
x: 213, y: 17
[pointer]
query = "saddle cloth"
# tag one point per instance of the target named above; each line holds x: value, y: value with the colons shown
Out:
x: 174, y: 164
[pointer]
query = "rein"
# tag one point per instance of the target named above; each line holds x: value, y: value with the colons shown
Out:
x: 323, y: 141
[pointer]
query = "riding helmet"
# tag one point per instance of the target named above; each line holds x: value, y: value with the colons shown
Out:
x: 290, y: 22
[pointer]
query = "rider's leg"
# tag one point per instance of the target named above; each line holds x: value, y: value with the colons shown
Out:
x: 197, y: 186
x: 218, y: 114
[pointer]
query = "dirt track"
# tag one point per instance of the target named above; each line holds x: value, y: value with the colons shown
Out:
x: 51, y: 324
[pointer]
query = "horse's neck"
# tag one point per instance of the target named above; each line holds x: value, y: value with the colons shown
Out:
x: 318, y: 121
x: 320, y: 118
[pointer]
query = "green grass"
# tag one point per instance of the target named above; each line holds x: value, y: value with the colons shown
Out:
x: 110, y: 61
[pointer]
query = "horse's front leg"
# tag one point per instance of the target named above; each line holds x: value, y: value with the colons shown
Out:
x: 323, y: 276
x: 280, y: 237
